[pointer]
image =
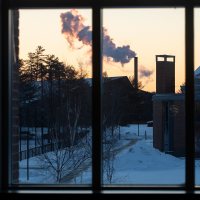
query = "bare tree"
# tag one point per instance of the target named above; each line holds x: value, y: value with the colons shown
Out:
x: 109, y: 153
x: 70, y: 147
x: 112, y: 112
x: 64, y: 159
x: 132, y: 81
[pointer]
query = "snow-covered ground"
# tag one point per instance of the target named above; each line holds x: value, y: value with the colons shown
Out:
x: 137, y: 163
x: 141, y: 164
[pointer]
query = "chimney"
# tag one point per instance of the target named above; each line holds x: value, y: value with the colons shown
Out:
x: 136, y: 72
x: 165, y: 74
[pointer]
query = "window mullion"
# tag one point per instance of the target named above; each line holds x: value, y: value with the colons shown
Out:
x: 96, y: 99
x: 4, y: 99
x: 189, y: 102
x: 1, y: 39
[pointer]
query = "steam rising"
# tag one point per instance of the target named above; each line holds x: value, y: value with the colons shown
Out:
x: 74, y: 29
x: 143, y: 72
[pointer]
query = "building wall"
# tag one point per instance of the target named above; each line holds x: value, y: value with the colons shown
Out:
x: 157, y: 125
x: 179, y: 129
x: 177, y: 109
x: 15, y: 104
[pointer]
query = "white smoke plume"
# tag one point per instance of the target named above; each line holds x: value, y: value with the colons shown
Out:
x: 74, y: 29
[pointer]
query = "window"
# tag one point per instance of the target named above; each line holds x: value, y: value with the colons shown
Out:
x: 55, y: 132
x: 9, y: 90
x: 196, y: 91
x: 133, y: 76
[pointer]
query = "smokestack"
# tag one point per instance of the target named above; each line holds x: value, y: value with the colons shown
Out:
x: 136, y: 72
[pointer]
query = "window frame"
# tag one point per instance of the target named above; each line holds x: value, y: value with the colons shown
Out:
x: 0, y: 90
x: 97, y: 6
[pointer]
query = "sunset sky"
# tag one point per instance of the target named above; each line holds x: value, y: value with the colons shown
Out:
x: 148, y: 32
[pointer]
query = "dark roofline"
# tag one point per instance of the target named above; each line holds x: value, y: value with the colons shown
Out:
x: 168, y: 97
x: 110, y: 77
x: 172, y: 97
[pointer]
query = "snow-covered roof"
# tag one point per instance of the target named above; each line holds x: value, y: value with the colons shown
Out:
x: 89, y: 80
x: 197, y: 72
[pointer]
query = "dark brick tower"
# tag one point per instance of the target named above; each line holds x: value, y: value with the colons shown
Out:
x: 165, y: 74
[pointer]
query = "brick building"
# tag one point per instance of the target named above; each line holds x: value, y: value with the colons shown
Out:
x: 168, y: 109
x: 169, y: 123
x: 14, y: 134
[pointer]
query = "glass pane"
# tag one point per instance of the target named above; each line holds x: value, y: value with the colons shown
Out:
x: 53, y: 117
x: 196, y: 89
x: 143, y: 104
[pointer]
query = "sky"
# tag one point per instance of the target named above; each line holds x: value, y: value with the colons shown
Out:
x: 146, y: 32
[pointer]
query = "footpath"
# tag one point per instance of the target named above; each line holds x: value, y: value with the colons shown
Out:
x: 88, y: 163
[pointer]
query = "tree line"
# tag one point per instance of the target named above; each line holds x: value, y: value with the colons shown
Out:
x: 53, y: 96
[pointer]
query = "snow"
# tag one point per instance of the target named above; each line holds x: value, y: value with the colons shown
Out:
x: 37, y: 173
x: 144, y: 165
x: 197, y: 72
x: 136, y: 163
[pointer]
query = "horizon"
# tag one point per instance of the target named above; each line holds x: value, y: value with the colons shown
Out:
x: 149, y: 36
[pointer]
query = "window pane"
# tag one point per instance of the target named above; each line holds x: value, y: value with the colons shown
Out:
x: 143, y: 101
x: 196, y: 89
x: 53, y: 125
